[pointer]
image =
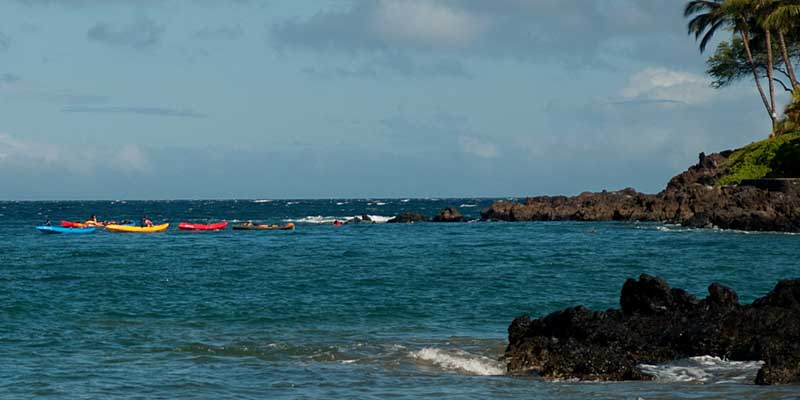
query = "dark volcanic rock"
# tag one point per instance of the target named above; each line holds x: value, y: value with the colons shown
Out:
x: 408, y: 218
x: 689, y: 199
x: 449, y: 214
x: 657, y: 324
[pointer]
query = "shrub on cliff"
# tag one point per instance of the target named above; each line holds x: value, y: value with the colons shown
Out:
x: 771, y: 158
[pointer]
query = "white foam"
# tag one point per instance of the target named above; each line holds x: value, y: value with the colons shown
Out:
x: 468, y: 205
x: 704, y: 369
x: 405, y: 200
x: 379, y: 219
x: 262, y: 201
x: 380, y: 204
x: 319, y: 219
x: 460, y: 361
x: 315, y: 219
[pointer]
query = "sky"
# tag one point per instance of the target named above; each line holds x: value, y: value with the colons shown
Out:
x: 182, y: 99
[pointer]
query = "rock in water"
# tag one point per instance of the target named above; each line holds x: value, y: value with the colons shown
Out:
x: 690, y: 199
x: 657, y: 324
x: 449, y: 214
x: 408, y: 218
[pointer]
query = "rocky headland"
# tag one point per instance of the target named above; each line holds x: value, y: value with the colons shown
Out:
x: 656, y: 324
x: 695, y: 198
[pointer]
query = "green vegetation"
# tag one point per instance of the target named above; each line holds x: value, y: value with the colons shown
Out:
x: 777, y: 157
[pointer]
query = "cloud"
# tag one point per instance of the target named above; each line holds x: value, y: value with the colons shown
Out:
x: 142, y: 33
x: 371, y: 25
x: 477, y: 146
x: 32, y: 155
x: 666, y: 85
x: 13, y: 150
x: 424, y: 23
x: 573, y: 31
x: 131, y: 157
x: 155, y: 111
x: 226, y: 33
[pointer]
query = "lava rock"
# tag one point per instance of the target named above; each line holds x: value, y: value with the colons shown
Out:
x: 408, y: 218
x: 690, y: 199
x: 657, y: 324
x: 449, y: 214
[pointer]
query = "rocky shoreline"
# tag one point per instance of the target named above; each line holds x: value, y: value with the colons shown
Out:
x: 656, y: 324
x: 691, y: 199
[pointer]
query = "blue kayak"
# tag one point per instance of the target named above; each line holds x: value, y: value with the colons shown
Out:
x: 58, y: 229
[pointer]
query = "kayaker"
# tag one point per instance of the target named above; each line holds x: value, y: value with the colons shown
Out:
x: 92, y: 220
x: 146, y: 221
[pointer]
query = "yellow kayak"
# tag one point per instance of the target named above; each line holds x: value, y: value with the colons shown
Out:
x: 137, y: 229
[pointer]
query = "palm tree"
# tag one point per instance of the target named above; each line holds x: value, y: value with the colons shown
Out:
x: 782, y: 17
x: 738, y: 15
x: 751, y: 14
x: 707, y: 18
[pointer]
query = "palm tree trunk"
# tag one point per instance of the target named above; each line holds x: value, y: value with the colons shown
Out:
x: 787, y: 61
x: 770, y: 74
x: 746, y: 42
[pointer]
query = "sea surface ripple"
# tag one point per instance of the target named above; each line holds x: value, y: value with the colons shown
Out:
x: 359, y: 311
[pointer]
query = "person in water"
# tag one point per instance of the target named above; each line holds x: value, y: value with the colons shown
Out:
x: 146, y: 221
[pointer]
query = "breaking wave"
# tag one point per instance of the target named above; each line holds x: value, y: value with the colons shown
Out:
x: 459, y: 361
x: 319, y: 219
x: 704, y: 369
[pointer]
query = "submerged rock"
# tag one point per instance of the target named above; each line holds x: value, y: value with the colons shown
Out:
x: 449, y: 214
x: 408, y: 218
x: 656, y: 324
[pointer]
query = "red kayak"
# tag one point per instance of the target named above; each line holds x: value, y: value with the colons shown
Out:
x: 188, y: 226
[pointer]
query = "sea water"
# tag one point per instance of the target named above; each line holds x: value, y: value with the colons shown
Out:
x: 358, y: 311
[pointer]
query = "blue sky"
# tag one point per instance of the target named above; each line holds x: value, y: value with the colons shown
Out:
x: 145, y: 99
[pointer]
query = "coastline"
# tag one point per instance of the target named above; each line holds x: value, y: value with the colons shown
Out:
x: 691, y: 199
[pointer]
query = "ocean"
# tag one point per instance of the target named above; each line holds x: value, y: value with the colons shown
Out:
x: 358, y: 311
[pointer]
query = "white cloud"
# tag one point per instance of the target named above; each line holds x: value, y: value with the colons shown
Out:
x: 132, y: 158
x: 13, y: 149
x: 425, y: 23
x: 665, y: 84
x: 31, y: 154
x: 478, y: 147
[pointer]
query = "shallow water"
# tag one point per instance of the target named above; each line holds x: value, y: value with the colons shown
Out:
x: 360, y: 311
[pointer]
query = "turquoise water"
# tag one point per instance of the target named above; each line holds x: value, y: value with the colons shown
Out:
x: 359, y: 311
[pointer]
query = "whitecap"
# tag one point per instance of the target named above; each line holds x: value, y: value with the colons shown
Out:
x: 468, y: 205
x: 315, y: 219
x: 379, y: 219
x: 460, y: 361
x: 405, y: 200
x: 262, y: 201
x: 704, y: 369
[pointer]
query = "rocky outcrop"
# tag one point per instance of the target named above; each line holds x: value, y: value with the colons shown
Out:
x: 690, y: 199
x: 449, y: 214
x: 363, y: 219
x: 408, y: 218
x: 656, y: 324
